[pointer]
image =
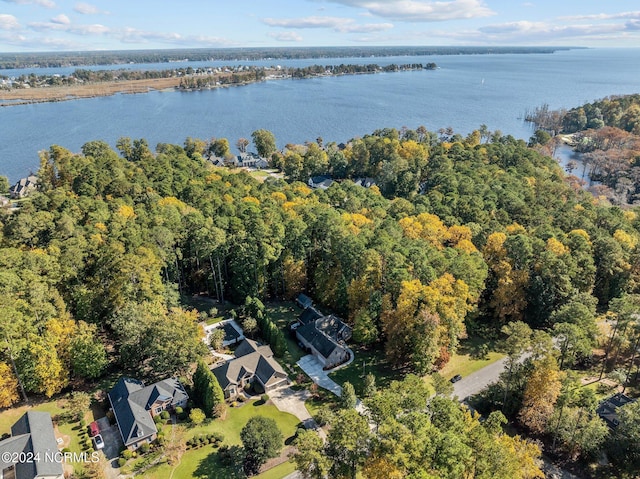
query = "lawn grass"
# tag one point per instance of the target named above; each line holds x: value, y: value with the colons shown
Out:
x: 215, y: 320
x: 367, y: 360
x: 467, y: 359
x: 283, y: 314
x: 205, y: 463
x: 71, y: 429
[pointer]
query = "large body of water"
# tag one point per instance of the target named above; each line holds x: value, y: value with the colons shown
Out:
x: 465, y: 92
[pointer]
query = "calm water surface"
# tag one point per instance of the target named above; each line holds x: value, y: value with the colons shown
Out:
x: 467, y: 91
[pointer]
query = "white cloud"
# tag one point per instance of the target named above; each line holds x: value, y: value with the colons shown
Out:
x: 367, y: 28
x: 602, y: 16
x: 88, y: 9
x: 422, y: 10
x: 307, y: 22
x: 528, y: 4
x: 62, y: 23
x: 133, y: 35
x: 8, y: 22
x: 337, y: 24
x: 61, y: 19
x: 286, y: 36
x: 42, y: 3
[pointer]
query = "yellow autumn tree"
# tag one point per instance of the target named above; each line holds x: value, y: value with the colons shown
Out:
x: 451, y: 300
x: 508, y: 300
x: 540, y: 395
x: 8, y: 386
x: 295, y: 276
x: 524, y: 455
x: 381, y: 468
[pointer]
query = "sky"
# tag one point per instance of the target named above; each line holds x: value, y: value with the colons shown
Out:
x: 62, y: 25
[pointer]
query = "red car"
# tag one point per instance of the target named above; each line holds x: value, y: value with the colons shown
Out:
x: 94, y: 429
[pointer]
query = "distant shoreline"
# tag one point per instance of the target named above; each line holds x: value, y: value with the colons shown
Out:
x: 124, y: 57
x: 50, y: 94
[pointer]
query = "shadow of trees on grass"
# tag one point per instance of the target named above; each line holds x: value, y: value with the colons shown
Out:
x: 224, y: 464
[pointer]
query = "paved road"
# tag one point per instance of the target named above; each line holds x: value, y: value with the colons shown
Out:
x: 476, y: 382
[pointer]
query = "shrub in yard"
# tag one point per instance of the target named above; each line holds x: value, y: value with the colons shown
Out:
x: 218, y: 436
x: 234, y: 404
x: 144, y: 448
x: 264, y: 397
x: 165, y: 415
x: 157, y: 419
x: 179, y: 411
x: 121, y: 462
x: 83, y: 423
x: 66, y: 449
x: 127, y: 454
x: 87, y: 443
x: 161, y: 440
x: 197, y: 416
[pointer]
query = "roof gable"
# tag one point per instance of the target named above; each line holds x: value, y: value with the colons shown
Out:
x: 33, y: 433
x: 131, y: 402
x: 258, y: 363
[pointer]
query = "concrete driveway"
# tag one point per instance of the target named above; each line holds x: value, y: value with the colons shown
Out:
x: 313, y: 368
x: 288, y: 400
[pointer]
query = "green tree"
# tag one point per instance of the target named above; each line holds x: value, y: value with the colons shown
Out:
x: 262, y: 440
x: 348, y: 397
x: 309, y: 457
x: 441, y: 385
x: 369, y: 388
x: 88, y: 355
x: 348, y: 443
x: 216, y: 338
x: 78, y: 404
x: 264, y: 142
x: 4, y: 185
x: 207, y: 392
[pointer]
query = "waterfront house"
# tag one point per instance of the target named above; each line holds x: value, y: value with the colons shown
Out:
x: 24, y: 186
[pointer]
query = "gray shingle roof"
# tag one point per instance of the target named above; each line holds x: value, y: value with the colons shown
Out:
x: 323, y: 333
x: 319, y: 341
x: 309, y: 315
x: 33, y: 433
x: 131, y: 402
x: 251, y: 360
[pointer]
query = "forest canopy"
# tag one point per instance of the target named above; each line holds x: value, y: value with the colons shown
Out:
x: 458, y: 234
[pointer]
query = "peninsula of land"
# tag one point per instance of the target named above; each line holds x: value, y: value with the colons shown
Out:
x: 90, y: 84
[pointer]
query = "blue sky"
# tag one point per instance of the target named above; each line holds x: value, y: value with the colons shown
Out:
x: 44, y: 25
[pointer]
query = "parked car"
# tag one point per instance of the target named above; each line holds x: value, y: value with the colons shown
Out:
x: 94, y: 429
x: 97, y: 440
x: 456, y: 378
